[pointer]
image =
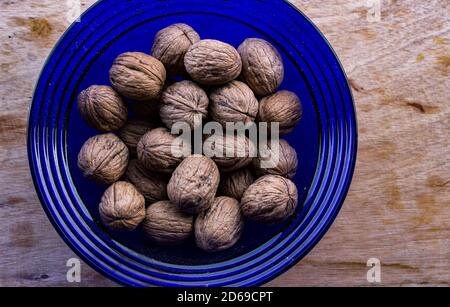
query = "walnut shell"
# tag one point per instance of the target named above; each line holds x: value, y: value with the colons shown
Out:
x: 133, y: 132
x: 262, y: 66
x: 157, y: 151
x: 233, y: 103
x: 212, y: 62
x: 220, y: 227
x: 103, y: 158
x: 230, y: 152
x: 122, y: 207
x: 102, y: 108
x: 283, y: 159
x: 186, y: 102
x: 194, y: 184
x: 172, y: 43
x: 150, y: 184
x: 138, y: 76
x: 166, y: 225
x: 235, y: 184
x: 283, y: 107
x: 271, y: 199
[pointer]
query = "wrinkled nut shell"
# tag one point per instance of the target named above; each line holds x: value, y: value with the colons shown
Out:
x: 262, y: 66
x: 230, y: 152
x: 220, y: 227
x: 122, y: 207
x: 235, y: 184
x: 138, y: 76
x: 150, y: 184
x: 166, y: 225
x: 133, y: 132
x: 184, y: 102
x: 284, y: 160
x: 283, y: 107
x: 212, y: 62
x: 233, y: 103
x: 157, y: 152
x: 102, y: 108
x: 171, y: 44
x: 194, y: 184
x: 103, y: 158
x: 271, y: 199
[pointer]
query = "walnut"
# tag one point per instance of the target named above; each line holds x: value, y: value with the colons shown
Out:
x: 235, y: 184
x: 166, y: 225
x: 172, y: 43
x: 122, y: 207
x: 230, y: 152
x: 150, y: 184
x: 102, y: 108
x: 103, y: 158
x: 138, y: 76
x: 283, y: 107
x: 283, y: 158
x: 262, y: 66
x: 271, y: 199
x: 233, y: 103
x: 212, y: 62
x: 185, y: 102
x: 157, y: 151
x: 194, y: 184
x: 220, y: 227
x: 133, y: 132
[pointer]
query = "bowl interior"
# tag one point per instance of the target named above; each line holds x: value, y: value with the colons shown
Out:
x: 305, y: 139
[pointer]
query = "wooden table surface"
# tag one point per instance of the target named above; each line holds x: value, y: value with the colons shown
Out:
x: 398, y: 209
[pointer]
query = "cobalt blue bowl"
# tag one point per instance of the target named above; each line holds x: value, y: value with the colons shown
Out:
x: 326, y: 139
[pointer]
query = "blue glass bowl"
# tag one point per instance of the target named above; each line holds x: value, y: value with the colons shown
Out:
x: 326, y: 139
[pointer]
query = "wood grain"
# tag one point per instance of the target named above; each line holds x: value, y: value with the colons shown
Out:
x: 398, y: 209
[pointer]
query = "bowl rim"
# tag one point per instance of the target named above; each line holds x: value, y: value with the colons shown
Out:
x: 343, y: 193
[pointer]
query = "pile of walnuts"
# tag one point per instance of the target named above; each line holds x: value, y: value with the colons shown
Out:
x: 173, y: 198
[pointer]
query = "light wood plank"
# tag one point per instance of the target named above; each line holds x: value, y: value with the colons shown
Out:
x: 398, y: 206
